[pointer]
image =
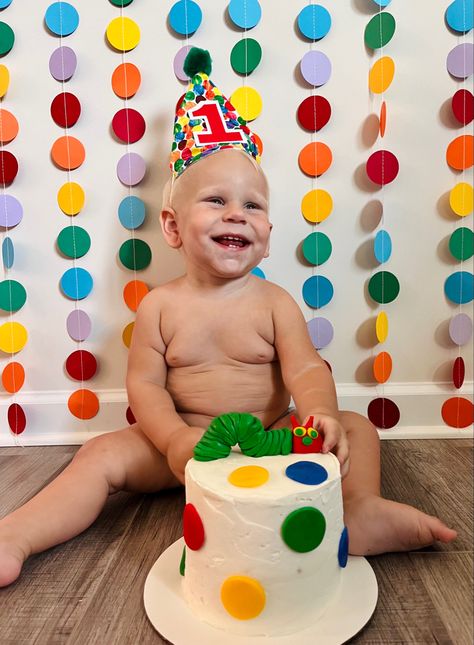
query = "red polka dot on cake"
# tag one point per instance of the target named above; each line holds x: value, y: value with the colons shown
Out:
x: 193, y: 528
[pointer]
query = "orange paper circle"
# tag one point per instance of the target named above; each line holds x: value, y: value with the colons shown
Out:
x: 13, y: 377
x: 8, y: 126
x: 68, y: 152
x: 127, y: 334
x: 134, y: 292
x: 459, y: 154
x: 126, y: 80
x: 315, y: 158
x: 382, y: 367
x: 383, y: 118
x: 83, y: 404
x: 457, y: 412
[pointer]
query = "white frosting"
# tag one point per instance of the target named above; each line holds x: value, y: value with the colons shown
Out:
x: 243, y: 537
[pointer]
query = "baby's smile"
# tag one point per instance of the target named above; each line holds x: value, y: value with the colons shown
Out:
x: 231, y: 241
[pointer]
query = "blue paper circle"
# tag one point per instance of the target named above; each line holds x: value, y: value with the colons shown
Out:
x: 61, y: 18
x: 185, y: 17
x: 76, y: 283
x: 131, y: 212
x: 245, y: 13
x: 317, y: 291
x: 5, y: 3
x: 8, y: 253
x: 382, y: 3
x: 382, y: 246
x: 459, y: 16
x: 258, y: 272
x: 343, y: 550
x: 314, y: 21
x: 307, y: 472
x: 459, y: 287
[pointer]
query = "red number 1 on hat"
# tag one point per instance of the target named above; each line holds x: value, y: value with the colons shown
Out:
x: 216, y: 130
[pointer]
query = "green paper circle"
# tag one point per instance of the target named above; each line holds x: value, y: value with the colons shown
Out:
x: 303, y: 530
x: 12, y: 295
x: 384, y: 287
x: 317, y: 248
x: 379, y: 30
x: 74, y: 241
x: 7, y: 38
x: 245, y: 56
x: 135, y: 254
x: 461, y: 243
x: 120, y: 3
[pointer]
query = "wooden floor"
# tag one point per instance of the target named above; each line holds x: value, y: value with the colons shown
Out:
x: 89, y: 591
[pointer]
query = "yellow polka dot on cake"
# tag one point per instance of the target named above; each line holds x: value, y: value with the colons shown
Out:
x: 243, y: 597
x: 249, y: 476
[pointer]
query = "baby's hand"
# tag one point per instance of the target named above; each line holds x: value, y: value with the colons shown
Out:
x: 181, y: 449
x: 335, y: 439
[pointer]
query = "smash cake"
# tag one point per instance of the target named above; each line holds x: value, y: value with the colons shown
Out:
x: 265, y: 542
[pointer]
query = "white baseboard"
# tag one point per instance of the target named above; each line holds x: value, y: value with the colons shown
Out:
x: 50, y: 423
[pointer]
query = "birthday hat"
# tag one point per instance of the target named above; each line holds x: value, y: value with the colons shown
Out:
x: 206, y: 121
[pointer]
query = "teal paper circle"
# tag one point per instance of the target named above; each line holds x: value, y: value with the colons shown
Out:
x: 131, y: 212
x: 76, y: 283
x: 61, y: 18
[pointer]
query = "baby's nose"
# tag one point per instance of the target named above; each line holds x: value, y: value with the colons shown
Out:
x: 235, y: 214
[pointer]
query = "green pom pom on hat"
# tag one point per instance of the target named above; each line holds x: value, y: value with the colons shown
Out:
x: 197, y: 61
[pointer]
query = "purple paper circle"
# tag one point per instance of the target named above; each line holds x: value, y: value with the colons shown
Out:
x: 460, y: 61
x: 78, y: 325
x: 460, y: 329
x: 315, y: 68
x: 131, y: 169
x: 11, y: 211
x: 179, y: 61
x: 62, y: 63
x: 320, y: 331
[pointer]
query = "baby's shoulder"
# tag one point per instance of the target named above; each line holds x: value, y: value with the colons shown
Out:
x: 273, y: 292
x: 158, y: 297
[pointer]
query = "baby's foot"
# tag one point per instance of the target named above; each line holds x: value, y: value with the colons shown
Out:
x: 378, y: 525
x: 11, y: 559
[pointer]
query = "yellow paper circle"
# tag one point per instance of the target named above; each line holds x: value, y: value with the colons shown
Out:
x: 13, y: 337
x: 316, y: 205
x: 71, y: 198
x: 243, y: 597
x: 4, y: 80
x: 123, y: 34
x: 127, y: 334
x: 248, y: 102
x: 381, y: 327
x: 461, y: 199
x: 249, y: 476
x: 381, y: 75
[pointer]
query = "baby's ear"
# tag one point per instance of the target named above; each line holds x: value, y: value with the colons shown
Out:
x: 169, y: 226
x: 267, y: 250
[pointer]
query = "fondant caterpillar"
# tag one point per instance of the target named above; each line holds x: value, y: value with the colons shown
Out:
x: 245, y: 430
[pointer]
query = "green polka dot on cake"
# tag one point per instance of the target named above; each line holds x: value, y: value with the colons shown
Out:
x: 303, y: 530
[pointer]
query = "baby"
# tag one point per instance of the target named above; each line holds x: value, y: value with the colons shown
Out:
x: 217, y: 339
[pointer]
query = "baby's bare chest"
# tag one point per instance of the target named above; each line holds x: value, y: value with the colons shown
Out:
x: 197, y: 335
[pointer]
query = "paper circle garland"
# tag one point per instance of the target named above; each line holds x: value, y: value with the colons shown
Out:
x: 461, y: 199
x: 382, y: 167
x: 11, y: 211
x: 128, y: 125
x: 459, y: 287
x: 461, y: 243
x: 320, y: 331
x: 81, y: 365
x: 460, y: 329
x: 123, y: 34
x: 74, y: 241
x: 68, y: 153
x: 131, y: 169
x: 383, y: 287
x: 135, y: 254
x: 383, y: 413
x: 76, y: 283
x: 61, y: 18
x: 13, y: 337
x: 316, y: 205
x: 316, y: 248
x: 131, y: 212
x: 459, y: 371
x: 314, y: 22
x: 71, y: 198
x: 462, y: 105
x: 460, y: 60
x: 83, y: 404
x: 459, y: 16
x: 12, y: 295
x: 184, y: 17
x: 8, y: 126
x: 459, y: 154
x: 379, y: 30
x: 247, y: 101
x: 133, y: 293
x: 457, y: 412
x: 8, y: 252
x: 7, y: 38
x: 16, y: 418
x: 245, y: 14
x: 315, y: 158
x: 317, y: 291
x: 313, y: 113
x: 65, y: 109
x: 4, y: 80
x: 315, y: 68
x: 62, y: 63
x: 126, y: 80
x: 245, y: 56
x: 13, y: 377
x: 382, y: 246
x: 8, y: 167
x: 78, y: 325
x: 381, y: 75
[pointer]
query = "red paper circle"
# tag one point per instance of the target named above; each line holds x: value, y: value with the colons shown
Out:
x: 458, y: 412
x: 81, y: 365
x: 382, y: 167
x: 313, y: 113
x: 193, y: 528
x: 458, y: 372
x: 383, y: 413
x: 130, y: 416
x: 463, y: 106
x: 16, y: 418
x: 65, y: 109
x: 8, y: 167
x: 128, y: 125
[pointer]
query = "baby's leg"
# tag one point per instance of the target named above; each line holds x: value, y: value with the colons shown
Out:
x: 375, y: 524
x: 122, y: 460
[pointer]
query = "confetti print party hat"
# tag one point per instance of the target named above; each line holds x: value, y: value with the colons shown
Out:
x: 206, y: 121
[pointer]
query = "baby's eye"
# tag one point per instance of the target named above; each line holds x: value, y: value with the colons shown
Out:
x: 252, y: 206
x: 215, y: 200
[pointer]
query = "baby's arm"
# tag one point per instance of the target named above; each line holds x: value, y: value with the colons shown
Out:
x: 307, y: 376
x: 149, y: 400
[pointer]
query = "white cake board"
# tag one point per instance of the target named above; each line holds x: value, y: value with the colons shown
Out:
x: 173, y: 619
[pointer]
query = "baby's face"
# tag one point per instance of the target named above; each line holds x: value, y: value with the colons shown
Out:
x: 220, y: 208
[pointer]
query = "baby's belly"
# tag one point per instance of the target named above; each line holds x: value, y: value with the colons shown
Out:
x: 202, y: 394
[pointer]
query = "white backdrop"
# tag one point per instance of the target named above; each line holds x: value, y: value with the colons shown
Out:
x: 417, y: 215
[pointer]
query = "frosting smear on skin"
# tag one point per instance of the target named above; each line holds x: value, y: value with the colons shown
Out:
x: 264, y: 533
